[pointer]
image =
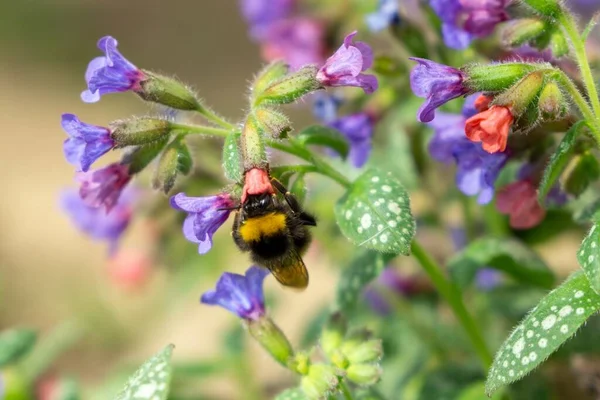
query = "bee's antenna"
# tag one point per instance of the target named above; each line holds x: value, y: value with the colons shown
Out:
x: 228, y: 208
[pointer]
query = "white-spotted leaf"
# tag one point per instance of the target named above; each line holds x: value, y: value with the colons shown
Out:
x: 232, y: 164
x: 554, y: 320
x: 151, y: 381
x: 375, y: 213
x: 14, y: 343
x: 291, y: 394
x: 588, y: 257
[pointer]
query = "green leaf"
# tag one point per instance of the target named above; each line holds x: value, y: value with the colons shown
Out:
x: 298, y: 188
x: 558, y: 161
x: 584, y: 207
x: 324, y: 136
x: 15, y: 343
x: 175, y: 159
x: 375, y: 213
x: 476, y: 391
x: 152, y: 380
x: 292, y: 394
x: 232, y: 161
x: 361, y: 271
x: 507, y: 255
x: 554, y: 320
x: 588, y: 257
x: 139, y: 158
x: 447, y: 381
x: 585, y: 170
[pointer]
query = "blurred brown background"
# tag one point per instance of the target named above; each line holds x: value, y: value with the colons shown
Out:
x: 49, y: 272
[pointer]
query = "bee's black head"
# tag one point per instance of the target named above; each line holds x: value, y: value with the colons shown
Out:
x: 259, y: 204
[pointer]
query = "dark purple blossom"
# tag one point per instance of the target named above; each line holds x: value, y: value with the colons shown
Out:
x: 345, y: 66
x: 298, y: 41
x: 262, y: 14
x: 358, y: 129
x: 86, y: 143
x: 477, y: 169
x: 240, y: 294
x: 391, y: 280
x: 385, y: 15
x: 110, y: 74
x: 437, y: 83
x: 205, y: 216
x: 95, y: 222
x: 464, y: 20
x: 102, y: 187
x: 325, y: 106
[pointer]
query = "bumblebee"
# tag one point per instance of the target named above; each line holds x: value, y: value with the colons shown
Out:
x: 275, y: 232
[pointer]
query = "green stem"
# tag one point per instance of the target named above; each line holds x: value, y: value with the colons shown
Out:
x: 568, y: 23
x: 214, y: 118
x: 200, y: 129
x: 469, y: 220
x: 345, y: 391
x: 453, y: 296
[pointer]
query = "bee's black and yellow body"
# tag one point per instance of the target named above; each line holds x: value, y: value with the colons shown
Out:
x: 276, y: 234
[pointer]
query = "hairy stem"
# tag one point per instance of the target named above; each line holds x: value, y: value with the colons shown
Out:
x: 210, y: 115
x: 454, y: 299
x: 345, y: 391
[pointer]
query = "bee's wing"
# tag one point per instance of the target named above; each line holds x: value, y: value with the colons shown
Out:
x: 292, y: 272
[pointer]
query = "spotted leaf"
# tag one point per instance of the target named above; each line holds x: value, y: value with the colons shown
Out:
x: 375, y: 213
x: 14, y: 343
x: 589, y: 257
x: 232, y: 162
x: 291, y: 394
x: 554, y: 320
x: 151, y: 381
x: 324, y: 136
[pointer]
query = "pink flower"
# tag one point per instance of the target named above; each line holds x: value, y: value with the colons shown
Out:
x: 130, y: 268
x: 102, y: 187
x: 491, y: 128
x: 519, y: 200
x: 344, y: 67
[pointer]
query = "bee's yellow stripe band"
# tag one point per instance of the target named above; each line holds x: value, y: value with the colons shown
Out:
x: 267, y: 225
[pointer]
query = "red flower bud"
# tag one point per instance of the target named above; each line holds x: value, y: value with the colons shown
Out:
x: 491, y: 128
x: 519, y: 200
x: 482, y: 103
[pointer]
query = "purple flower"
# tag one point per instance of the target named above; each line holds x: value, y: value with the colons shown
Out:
x: 386, y: 15
x: 95, y: 222
x: 464, y: 20
x: 205, y: 216
x: 110, y: 74
x: 242, y: 295
x: 86, y: 143
x: 477, y: 169
x: 344, y: 67
x: 325, y: 106
x: 437, y: 83
x: 261, y: 14
x: 391, y: 280
x: 102, y: 187
x: 358, y: 130
x: 298, y: 41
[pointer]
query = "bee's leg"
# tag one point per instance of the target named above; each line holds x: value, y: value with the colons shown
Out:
x: 306, y: 218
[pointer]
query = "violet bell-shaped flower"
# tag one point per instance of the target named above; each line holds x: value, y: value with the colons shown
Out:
x: 205, y: 216
x: 358, y: 129
x: 241, y: 294
x: 437, y: 83
x: 102, y: 187
x: 477, y: 170
x: 95, y: 222
x: 261, y: 14
x: 345, y: 66
x: 86, y: 143
x: 111, y: 73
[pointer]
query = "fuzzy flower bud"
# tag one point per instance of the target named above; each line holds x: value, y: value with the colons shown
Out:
x: 273, y: 122
x: 139, y: 131
x: 168, y: 92
x: 362, y: 351
x: 519, y: 31
x: 364, y: 374
x: 495, y: 77
x: 321, y: 381
x: 490, y: 127
x: 552, y: 104
x: 333, y: 334
x: 547, y: 8
x: 291, y: 87
x: 271, y: 338
x: 520, y: 96
x: 558, y: 44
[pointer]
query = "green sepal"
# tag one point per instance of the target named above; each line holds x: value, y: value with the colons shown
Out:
x: 375, y: 213
x: 364, y: 374
x: 152, y: 380
x: 15, y: 343
x: 139, y: 131
x: 520, y: 96
x: 552, y: 104
x: 333, y: 333
x: 552, y: 322
x: 324, y: 136
x: 252, y: 145
x: 175, y: 160
x: 584, y: 170
x: 273, y: 122
x: 271, y: 338
x: 558, y: 44
x: 168, y: 92
x: 139, y: 158
x: 507, y: 255
x: 269, y: 74
x: 496, y: 77
x: 559, y: 160
x: 290, y: 88
x: 519, y: 31
x: 546, y: 8
x: 321, y: 381
x: 232, y: 158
